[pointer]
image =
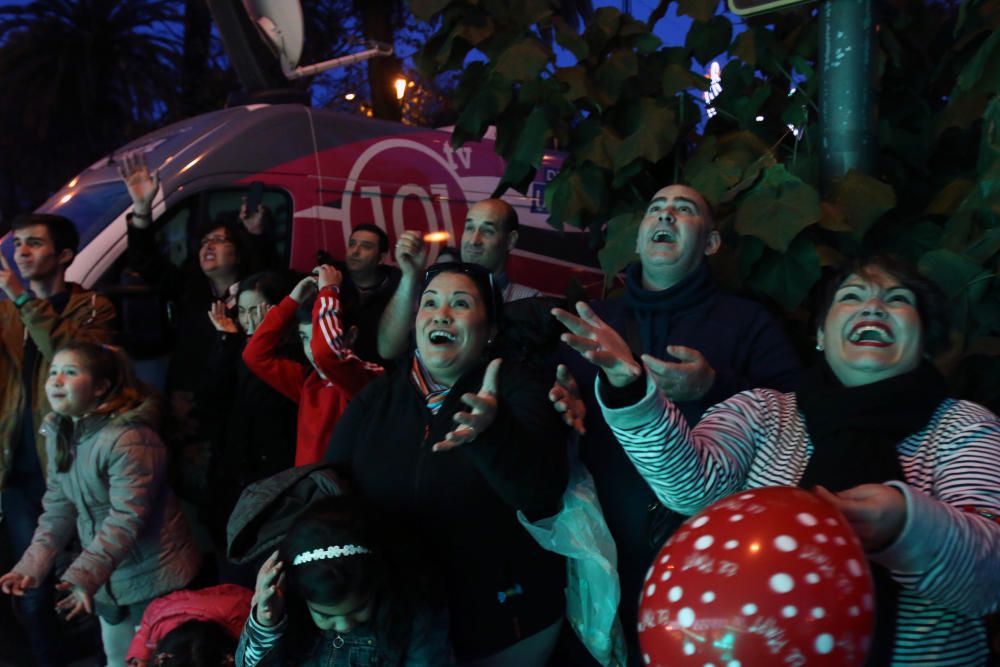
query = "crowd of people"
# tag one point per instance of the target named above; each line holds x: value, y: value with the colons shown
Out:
x: 446, y: 444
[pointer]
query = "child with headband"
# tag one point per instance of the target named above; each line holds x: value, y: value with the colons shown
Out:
x: 328, y: 596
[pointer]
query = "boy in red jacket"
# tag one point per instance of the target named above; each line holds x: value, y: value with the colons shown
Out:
x: 335, y: 375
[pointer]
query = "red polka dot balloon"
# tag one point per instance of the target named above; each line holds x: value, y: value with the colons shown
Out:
x: 771, y: 576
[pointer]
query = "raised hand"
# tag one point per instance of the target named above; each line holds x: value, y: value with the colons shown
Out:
x: 687, y: 380
x: 14, y: 583
x: 269, y: 593
x: 876, y: 512
x: 328, y: 275
x: 254, y: 224
x: 142, y: 185
x: 599, y: 344
x: 77, y: 603
x: 484, y: 411
x: 220, y: 320
x: 411, y: 253
x: 565, y: 397
x: 303, y: 289
x: 9, y: 281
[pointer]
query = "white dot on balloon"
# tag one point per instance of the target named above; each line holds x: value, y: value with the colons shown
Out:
x: 818, y: 612
x: 812, y: 578
x: 685, y: 617
x: 675, y: 593
x: 736, y: 517
x: 781, y: 583
x: 649, y: 573
x: 708, y: 596
x: 665, y: 559
x: 806, y: 519
x: 853, y: 611
x: 650, y: 590
x: 839, y: 541
x: 746, y: 496
x: 645, y: 658
x: 831, y: 522
x: 821, y: 538
x: 824, y: 643
x: 749, y: 608
x: 699, y: 522
x: 665, y: 575
x: 734, y: 663
x: 703, y: 542
x: 785, y: 543
x: 731, y: 544
x: 709, y: 664
x: 688, y: 648
x: 789, y: 611
x: 854, y: 567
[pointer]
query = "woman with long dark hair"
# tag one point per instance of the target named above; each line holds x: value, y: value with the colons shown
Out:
x: 872, y: 428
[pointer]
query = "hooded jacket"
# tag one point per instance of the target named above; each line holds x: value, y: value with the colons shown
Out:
x: 86, y: 317
x: 136, y: 543
x: 227, y: 606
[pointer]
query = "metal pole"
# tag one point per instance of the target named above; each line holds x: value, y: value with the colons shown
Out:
x: 847, y: 99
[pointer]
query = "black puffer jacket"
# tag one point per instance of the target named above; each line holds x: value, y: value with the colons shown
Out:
x: 455, y: 512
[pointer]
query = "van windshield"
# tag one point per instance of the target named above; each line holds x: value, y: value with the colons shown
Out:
x: 91, y: 208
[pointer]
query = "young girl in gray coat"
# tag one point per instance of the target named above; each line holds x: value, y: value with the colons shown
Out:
x: 107, y: 474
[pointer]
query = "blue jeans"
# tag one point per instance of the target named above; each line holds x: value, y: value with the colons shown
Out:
x: 22, y: 505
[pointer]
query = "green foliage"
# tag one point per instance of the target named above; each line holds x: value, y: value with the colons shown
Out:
x: 624, y: 113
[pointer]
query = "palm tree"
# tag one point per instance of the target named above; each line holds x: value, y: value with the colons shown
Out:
x: 77, y: 78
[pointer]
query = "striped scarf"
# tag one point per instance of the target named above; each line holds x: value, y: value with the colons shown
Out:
x: 434, y: 394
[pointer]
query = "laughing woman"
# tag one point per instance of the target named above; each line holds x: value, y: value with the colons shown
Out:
x: 916, y: 473
x: 450, y: 447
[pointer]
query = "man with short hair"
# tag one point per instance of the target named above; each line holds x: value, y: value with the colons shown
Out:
x: 34, y: 322
x: 489, y: 236
x: 368, y: 286
x: 699, y: 344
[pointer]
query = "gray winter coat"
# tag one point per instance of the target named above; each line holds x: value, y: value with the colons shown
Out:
x: 136, y: 543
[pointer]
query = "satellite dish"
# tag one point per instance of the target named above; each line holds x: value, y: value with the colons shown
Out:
x: 283, y: 28
x: 281, y: 25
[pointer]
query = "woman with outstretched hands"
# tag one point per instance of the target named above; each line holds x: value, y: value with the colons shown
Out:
x: 451, y: 447
x: 871, y: 428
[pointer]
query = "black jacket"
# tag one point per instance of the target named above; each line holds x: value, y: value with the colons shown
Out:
x: 251, y: 425
x: 367, y: 306
x: 455, y: 511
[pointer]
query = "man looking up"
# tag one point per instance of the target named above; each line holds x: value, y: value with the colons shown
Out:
x: 489, y: 236
x: 34, y: 321
x: 369, y: 283
x: 700, y: 346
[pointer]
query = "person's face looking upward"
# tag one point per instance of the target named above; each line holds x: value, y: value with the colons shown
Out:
x: 484, y: 240
x: 343, y: 616
x: 872, y: 331
x: 363, y: 254
x: 70, y: 387
x: 451, y: 327
x: 674, y: 235
x: 248, y: 310
x: 35, y: 253
x: 217, y: 254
